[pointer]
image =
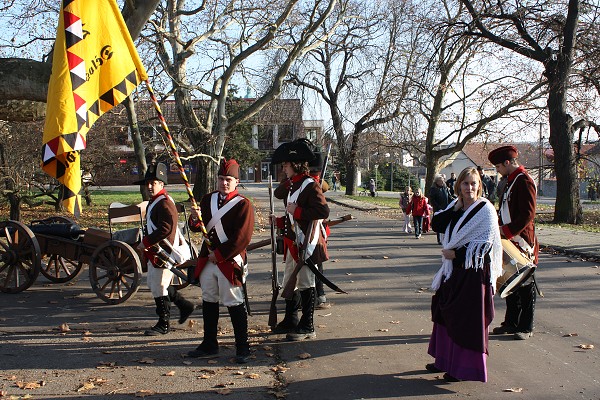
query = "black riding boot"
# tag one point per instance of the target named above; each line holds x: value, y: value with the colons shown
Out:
x: 290, y: 321
x: 305, y: 328
x: 210, y: 345
x: 239, y: 320
x: 163, y: 310
x: 186, y: 307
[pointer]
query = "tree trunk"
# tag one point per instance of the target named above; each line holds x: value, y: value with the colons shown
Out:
x: 138, y: 145
x: 566, y: 208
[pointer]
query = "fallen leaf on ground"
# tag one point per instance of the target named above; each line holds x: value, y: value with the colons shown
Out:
x: 279, y: 368
x: 144, y: 393
x: 253, y: 376
x: 105, y: 364
x: 30, y: 385
x: 86, y: 386
x: 170, y: 373
x: 238, y: 373
x: 304, y: 356
x: 270, y: 354
x: 212, y: 362
x: 513, y: 390
x: 64, y: 327
x: 187, y: 363
x: 279, y: 394
x: 147, y: 360
x: 586, y: 346
x: 87, y: 333
x: 385, y: 257
x: 267, y: 348
x: 3, y: 393
x: 205, y: 376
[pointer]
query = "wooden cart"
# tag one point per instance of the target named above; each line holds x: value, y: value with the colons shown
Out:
x: 58, y: 249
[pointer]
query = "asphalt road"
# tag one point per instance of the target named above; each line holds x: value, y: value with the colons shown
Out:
x: 371, y: 344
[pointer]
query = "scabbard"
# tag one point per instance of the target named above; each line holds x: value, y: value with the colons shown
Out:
x: 311, y: 265
x: 246, y: 301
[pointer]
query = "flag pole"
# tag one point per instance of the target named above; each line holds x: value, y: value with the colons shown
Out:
x: 175, y: 155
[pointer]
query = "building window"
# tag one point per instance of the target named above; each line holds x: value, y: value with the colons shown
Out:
x: 286, y: 133
x: 311, y: 134
x: 265, y: 137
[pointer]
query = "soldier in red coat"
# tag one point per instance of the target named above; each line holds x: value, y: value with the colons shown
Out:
x: 517, y: 214
x: 303, y: 230
x: 222, y: 265
x: 161, y: 226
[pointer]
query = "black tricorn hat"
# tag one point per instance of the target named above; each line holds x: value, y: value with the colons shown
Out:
x: 155, y: 171
x: 296, y: 151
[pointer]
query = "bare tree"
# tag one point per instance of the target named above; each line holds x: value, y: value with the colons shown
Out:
x: 207, y: 49
x: 461, y: 93
x: 358, y: 74
x: 548, y: 33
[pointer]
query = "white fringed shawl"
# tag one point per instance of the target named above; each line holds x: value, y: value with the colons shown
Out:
x: 480, y: 235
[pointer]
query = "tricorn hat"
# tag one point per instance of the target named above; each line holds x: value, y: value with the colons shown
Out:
x: 229, y: 168
x: 296, y: 151
x: 154, y: 172
x: 501, y: 154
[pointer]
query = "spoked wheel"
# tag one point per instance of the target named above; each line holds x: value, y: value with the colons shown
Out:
x: 59, y: 269
x: 54, y: 266
x: 115, y: 272
x: 19, y: 257
x: 177, y: 282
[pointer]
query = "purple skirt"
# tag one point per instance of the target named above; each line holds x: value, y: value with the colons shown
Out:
x: 461, y: 363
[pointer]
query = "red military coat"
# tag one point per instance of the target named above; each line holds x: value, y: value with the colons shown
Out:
x: 311, y: 206
x: 237, y: 225
x: 521, y: 199
x: 163, y: 215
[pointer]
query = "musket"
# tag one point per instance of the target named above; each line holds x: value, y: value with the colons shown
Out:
x: 275, y: 286
x: 329, y: 222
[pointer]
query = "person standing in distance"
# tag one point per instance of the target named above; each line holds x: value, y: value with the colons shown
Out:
x: 516, y: 219
x: 222, y: 266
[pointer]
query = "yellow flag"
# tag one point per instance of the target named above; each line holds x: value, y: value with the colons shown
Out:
x: 95, y: 67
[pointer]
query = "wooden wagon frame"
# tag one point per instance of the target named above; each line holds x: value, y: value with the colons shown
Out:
x: 57, y: 248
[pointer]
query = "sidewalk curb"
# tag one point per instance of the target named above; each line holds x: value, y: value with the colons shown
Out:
x: 354, y: 206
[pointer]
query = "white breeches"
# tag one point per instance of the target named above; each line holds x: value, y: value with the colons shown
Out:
x: 216, y: 287
x: 158, y: 280
x: 305, y: 278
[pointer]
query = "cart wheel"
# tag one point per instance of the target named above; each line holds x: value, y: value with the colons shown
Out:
x: 115, y: 272
x: 19, y: 257
x: 59, y: 269
x: 55, y: 267
x: 179, y: 283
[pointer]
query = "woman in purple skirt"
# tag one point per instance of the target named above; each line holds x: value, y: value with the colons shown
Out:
x: 462, y: 307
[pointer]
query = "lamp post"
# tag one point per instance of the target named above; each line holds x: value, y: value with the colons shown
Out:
x: 391, y: 176
x: 541, y: 169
